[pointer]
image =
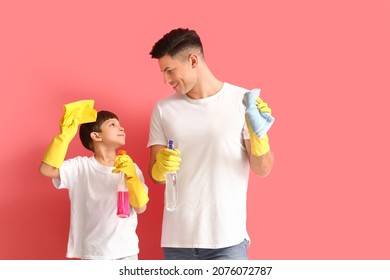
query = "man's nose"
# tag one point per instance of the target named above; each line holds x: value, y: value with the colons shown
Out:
x: 167, y: 78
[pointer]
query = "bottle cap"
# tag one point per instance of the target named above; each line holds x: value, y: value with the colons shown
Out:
x: 170, y: 144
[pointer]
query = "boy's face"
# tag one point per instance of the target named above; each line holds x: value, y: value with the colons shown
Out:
x: 112, y: 132
x: 178, y: 73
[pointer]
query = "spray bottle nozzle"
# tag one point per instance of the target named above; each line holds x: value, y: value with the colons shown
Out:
x: 170, y: 145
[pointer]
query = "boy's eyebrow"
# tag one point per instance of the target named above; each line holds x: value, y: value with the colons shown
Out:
x: 111, y: 120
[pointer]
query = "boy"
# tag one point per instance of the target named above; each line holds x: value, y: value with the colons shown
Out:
x: 96, y: 232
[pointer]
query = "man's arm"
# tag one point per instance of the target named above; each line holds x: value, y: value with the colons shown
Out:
x: 261, y: 165
x: 152, y: 160
x: 258, y: 120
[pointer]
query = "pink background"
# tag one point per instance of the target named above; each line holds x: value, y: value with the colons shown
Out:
x: 323, y: 69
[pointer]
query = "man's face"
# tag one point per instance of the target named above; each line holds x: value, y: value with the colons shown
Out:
x: 178, y: 72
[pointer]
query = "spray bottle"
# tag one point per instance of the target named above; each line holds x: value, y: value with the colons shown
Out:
x: 171, y: 186
x: 123, y: 204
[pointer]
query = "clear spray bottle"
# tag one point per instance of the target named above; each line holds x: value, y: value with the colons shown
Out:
x: 123, y: 204
x: 171, y: 186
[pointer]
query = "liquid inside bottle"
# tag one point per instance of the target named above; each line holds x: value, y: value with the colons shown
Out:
x: 171, y: 192
x: 123, y: 205
x: 171, y: 187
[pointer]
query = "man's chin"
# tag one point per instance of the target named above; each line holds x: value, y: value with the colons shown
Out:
x: 179, y: 92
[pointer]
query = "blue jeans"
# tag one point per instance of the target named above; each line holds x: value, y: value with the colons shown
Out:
x: 236, y: 252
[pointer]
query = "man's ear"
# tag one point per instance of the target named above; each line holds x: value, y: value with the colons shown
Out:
x: 193, y: 58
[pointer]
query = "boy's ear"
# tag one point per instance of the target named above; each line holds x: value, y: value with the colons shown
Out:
x: 95, y: 136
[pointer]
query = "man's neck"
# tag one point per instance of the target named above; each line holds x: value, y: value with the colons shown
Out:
x: 207, y: 86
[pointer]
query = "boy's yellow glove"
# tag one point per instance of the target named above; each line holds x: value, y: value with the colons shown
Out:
x: 259, y: 146
x: 75, y: 113
x: 137, y: 192
x: 167, y: 160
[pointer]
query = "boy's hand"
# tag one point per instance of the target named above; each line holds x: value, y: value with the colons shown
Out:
x: 167, y: 160
x: 123, y: 163
x: 138, y: 195
x: 75, y: 113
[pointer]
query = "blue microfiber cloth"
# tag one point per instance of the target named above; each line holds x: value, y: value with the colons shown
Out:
x: 260, y: 122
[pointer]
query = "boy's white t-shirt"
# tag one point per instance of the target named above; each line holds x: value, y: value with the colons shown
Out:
x: 214, y: 171
x: 96, y: 232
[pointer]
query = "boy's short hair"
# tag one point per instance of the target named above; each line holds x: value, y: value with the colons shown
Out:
x: 87, y: 128
x: 176, y: 41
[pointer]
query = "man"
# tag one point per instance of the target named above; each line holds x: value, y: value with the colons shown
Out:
x: 215, y: 150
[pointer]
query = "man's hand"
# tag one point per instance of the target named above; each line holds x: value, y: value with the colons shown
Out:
x: 258, y: 120
x: 166, y: 161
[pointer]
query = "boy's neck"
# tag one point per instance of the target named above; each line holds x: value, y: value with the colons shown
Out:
x: 105, y: 158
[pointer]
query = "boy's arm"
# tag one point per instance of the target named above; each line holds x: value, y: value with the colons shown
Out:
x: 74, y: 114
x: 137, y: 192
x: 140, y: 210
x: 49, y: 171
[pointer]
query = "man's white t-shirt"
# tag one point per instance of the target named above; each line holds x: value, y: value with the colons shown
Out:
x: 214, y: 171
x: 96, y: 232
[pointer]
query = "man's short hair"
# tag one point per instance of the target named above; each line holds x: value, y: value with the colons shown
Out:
x: 176, y: 41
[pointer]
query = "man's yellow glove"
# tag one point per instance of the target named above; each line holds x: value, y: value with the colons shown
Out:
x: 167, y: 160
x: 75, y: 113
x: 137, y: 192
x: 259, y: 145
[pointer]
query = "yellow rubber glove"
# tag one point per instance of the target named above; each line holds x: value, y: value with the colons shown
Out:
x: 259, y: 146
x: 75, y: 113
x: 137, y: 192
x: 262, y: 106
x: 167, y: 160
